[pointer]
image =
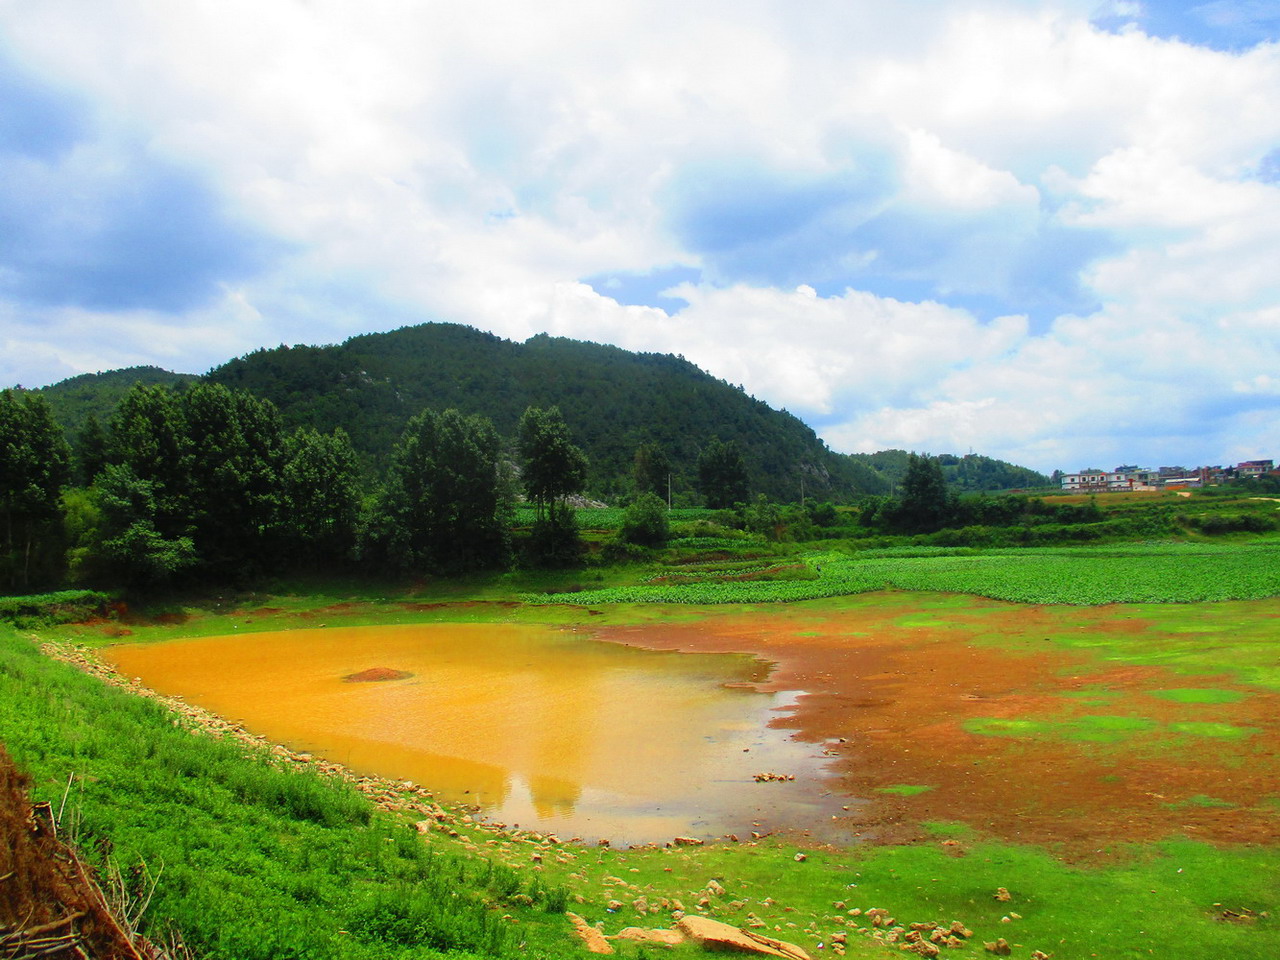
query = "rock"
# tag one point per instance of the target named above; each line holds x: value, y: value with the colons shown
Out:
x: 800, y: 858
x: 687, y: 842
x: 665, y: 938
x: 714, y: 888
x: 613, y: 906
x: 1000, y: 948
x: 924, y: 948
x: 592, y: 938
x: 1002, y: 895
x: 714, y: 935
x: 960, y: 930
x: 640, y: 905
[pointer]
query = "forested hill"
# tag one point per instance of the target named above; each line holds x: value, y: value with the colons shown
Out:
x: 613, y: 401
x: 967, y: 474
x: 77, y: 399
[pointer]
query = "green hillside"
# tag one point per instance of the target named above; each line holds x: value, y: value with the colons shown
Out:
x: 76, y: 399
x: 612, y: 399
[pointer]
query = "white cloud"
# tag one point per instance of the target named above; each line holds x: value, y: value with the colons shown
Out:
x: 473, y: 163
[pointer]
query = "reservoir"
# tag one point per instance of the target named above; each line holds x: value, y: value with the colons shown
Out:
x: 534, y: 725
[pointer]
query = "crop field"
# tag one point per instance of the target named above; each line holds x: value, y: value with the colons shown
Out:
x: 1124, y: 573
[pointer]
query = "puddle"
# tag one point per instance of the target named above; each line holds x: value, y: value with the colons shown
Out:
x: 536, y: 726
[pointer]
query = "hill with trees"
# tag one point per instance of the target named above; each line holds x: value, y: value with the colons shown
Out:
x: 639, y: 417
x: 613, y: 401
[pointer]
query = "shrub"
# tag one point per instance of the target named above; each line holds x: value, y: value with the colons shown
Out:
x: 645, y: 522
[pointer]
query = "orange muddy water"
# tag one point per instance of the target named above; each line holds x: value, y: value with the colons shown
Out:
x: 891, y: 710
x: 531, y: 724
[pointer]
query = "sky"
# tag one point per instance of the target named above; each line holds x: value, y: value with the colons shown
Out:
x: 1042, y: 231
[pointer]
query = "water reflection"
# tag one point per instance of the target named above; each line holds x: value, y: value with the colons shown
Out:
x: 534, y: 725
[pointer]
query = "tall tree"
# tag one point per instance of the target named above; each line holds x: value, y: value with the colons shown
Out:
x: 236, y: 453
x: 924, y: 505
x: 441, y: 507
x: 320, y: 496
x: 90, y: 450
x: 149, y: 437
x: 722, y: 474
x: 554, y: 468
x: 132, y: 549
x: 34, y: 467
x: 651, y: 469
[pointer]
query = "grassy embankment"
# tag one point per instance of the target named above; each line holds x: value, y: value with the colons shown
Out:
x: 254, y: 861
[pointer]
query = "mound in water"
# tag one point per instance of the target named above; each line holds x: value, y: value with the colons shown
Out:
x: 377, y: 675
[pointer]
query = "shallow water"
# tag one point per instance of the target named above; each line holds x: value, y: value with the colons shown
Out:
x: 537, y: 726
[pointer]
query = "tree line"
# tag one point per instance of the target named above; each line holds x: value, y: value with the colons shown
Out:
x: 206, y: 482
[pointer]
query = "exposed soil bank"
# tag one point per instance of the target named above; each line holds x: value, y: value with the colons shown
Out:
x: 965, y: 713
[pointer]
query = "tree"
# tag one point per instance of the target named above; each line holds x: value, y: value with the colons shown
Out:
x: 90, y: 450
x: 235, y: 445
x: 651, y: 469
x: 554, y: 468
x: 441, y: 507
x: 722, y: 475
x: 133, y: 550
x: 149, y: 437
x: 645, y: 521
x: 924, y: 505
x: 34, y: 467
x: 320, y: 497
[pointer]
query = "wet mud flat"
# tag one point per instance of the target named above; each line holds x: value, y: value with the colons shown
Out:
x: 970, y: 713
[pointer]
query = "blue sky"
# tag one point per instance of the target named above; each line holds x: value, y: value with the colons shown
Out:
x: 1044, y: 231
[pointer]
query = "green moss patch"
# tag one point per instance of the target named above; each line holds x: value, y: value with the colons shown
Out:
x: 1222, y: 731
x: 1199, y: 695
x: 905, y: 789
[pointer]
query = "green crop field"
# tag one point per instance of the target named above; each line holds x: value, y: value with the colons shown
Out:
x: 1123, y: 573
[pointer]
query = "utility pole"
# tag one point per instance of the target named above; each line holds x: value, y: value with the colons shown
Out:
x: 668, y: 490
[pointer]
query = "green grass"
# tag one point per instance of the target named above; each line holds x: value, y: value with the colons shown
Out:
x: 905, y: 789
x: 1199, y: 695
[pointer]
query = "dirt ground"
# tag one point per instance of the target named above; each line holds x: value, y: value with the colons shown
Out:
x: 889, y: 693
x: 49, y: 906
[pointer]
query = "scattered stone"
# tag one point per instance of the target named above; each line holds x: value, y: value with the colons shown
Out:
x: 664, y: 938
x: 687, y: 842
x: 960, y: 930
x: 1003, y: 895
x: 924, y: 948
x: 1000, y: 948
x: 774, y: 777
x: 800, y: 857
x: 714, y: 935
x: 715, y: 889
x: 592, y: 938
x: 613, y: 906
x: 1040, y: 955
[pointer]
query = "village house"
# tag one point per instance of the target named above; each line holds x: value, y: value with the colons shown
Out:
x: 1132, y: 478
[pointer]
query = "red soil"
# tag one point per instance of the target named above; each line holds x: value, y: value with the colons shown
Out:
x: 49, y: 906
x: 376, y: 675
x: 889, y: 703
